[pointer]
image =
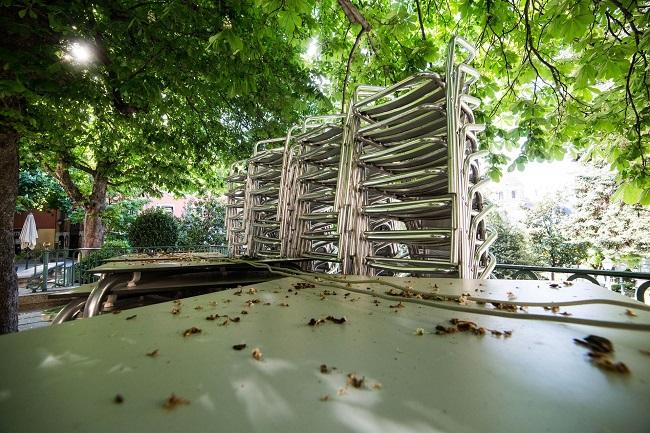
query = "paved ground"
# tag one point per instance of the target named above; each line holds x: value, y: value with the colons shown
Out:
x: 36, y: 268
x: 32, y: 319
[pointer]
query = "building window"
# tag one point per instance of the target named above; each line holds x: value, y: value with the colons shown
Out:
x: 169, y: 209
x: 500, y: 195
x: 514, y: 194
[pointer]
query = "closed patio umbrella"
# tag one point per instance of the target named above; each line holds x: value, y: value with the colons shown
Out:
x: 29, y: 233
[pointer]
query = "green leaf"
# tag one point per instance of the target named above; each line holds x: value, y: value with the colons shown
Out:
x: 645, y: 198
x: 235, y: 42
x: 22, y: 13
x: 585, y: 76
x: 631, y: 194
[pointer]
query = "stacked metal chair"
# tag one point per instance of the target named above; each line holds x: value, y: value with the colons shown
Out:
x: 313, y: 160
x: 262, y: 198
x: 419, y: 210
x: 235, y: 223
x: 394, y: 188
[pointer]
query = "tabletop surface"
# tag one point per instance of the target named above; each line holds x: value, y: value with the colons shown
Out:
x: 67, y: 378
x: 176, y: 261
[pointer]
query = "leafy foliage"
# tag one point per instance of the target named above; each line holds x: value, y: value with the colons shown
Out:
x: 203, y: 223
x: 39, y: 191
x: 512, y: 245
x: 616, y: 230
x: 120, y: 215
x: 97, y: 258
x: 154, y: 228
x: 547, y: 225
x: 170, y: 94
x: 557, y: 76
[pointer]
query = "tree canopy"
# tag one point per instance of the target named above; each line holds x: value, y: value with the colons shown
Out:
x: 558, y: 76
x: 146, y: 95
x: 616, y: 230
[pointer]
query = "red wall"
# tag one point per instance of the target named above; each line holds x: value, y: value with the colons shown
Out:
x: 44, y: 219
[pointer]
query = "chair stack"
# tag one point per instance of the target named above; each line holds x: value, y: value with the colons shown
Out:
x: 317, y: 159
x: 419, y: 210
x: 391, y: 188
x: 236, y: 196
x: 262, y: 197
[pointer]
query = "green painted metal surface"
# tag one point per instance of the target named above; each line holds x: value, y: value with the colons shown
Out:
x: 188, y: 260
x: 65, y: 378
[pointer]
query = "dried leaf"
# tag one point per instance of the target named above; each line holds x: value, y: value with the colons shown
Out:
x: 241, y: 346
x: 176, y: 310
x: 173, y: 402
x: 132, y: 317
x: 606, y: 363
x: 419, y: 331
x: 118, y: 399
x: 505, y: 307
x: 198, y: 307
x: 212, y: 317
x: 338, y: 321
x: 596, y: 343
x: 153, y: 353
x: 303, y: 285
x: 398, y: 305
x: 192, y: 331
x: 325, y: 397
x: 314, y: 322
x: 252, y: 302
x: 355, y: 381
x: 630, y: 313
x: 257, y: 354
x: 252, y: 291
x: 284, y: 304
x: 325, y: 369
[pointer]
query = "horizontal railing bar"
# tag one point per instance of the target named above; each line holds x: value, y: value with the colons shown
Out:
x: 627, y: 274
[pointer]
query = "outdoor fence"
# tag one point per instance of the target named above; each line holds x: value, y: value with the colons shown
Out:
x: 632, y: 284
x: 60, y: 268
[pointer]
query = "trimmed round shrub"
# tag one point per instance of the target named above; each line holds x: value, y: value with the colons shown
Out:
x: 154, y: 228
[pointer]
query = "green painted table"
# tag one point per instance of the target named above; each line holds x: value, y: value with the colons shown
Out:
x: 65, y: 378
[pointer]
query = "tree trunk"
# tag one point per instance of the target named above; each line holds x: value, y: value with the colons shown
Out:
x: 8, y: 189
x: 93, y: 235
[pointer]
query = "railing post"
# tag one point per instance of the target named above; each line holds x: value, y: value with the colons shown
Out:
x: 46, y: 261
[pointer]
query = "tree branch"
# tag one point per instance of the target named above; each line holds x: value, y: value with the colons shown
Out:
x: 347, y: 68
x: 62, y: 174
x: 353, y: 14
x: 424, y: 37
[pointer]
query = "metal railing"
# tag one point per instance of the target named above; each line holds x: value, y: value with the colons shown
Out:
x: 629, y: 283
x: 61, y: 268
